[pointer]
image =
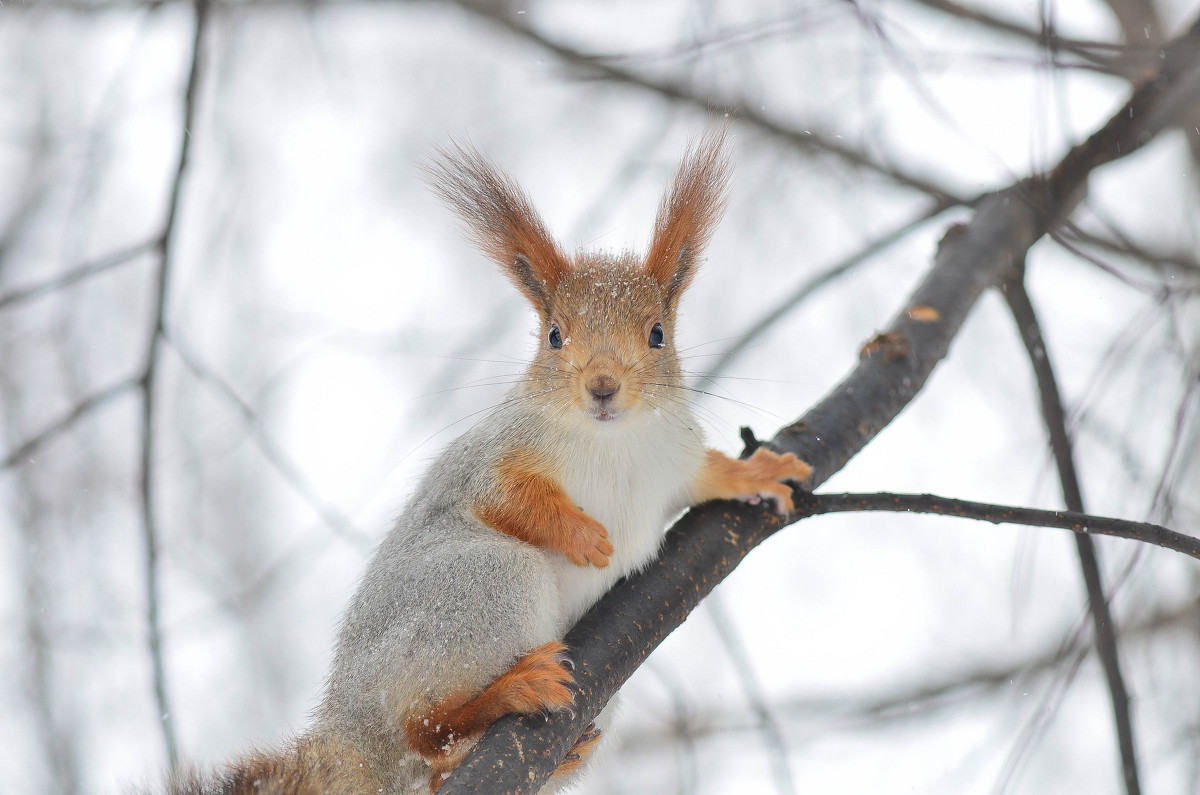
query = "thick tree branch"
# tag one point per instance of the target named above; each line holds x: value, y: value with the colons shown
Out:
x: 518, y: 754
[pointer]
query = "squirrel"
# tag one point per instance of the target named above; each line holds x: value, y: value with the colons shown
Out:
x: 525, y: 520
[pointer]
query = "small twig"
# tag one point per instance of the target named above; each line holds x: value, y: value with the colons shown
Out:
x: 1123, y: 61
x: 839, y: 711
x: 81, y: 410
x: 274, y: 455
x: 790, y: 302
x: 79, y: 273
x: 1147, y: 288
x: 755, y: 695
x: 1082, y: 524
x: 810, y: 139
x: 1161, y: 500
x: 1060, y: 443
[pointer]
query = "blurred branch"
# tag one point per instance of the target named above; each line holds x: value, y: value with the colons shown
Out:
x: 275, y: 456
x: 1055, y: 420
x: 1161, y: 503
x: 1126, y: 60
x: 793, y: 300
x: 149, y: 383
x: 79, y: 273
x: 1184, y: 261
x: 1158, y: 289
x: 81, y: 410
x: 751, y: 686
x: 803, y: 139
x: 843, y: 711
x: 518, y: 754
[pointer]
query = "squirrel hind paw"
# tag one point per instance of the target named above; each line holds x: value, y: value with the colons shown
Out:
x: 540, y: 681
x: 580, y: 751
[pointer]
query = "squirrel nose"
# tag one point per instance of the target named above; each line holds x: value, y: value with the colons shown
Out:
x: 603, y: 387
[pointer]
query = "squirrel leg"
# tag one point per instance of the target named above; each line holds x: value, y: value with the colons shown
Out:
x: 751, y: 480
x: 536, y: 683
x: 579, y: 752
x: 533, y: 507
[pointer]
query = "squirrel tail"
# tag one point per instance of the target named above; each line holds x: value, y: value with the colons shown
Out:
x: 312, y: 766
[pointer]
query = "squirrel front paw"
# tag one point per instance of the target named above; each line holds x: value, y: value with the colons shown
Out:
x: 766, y: 469
x: 753, y: 480
x: 586, y: 541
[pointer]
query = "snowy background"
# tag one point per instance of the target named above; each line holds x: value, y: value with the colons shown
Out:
x: 328, y: 330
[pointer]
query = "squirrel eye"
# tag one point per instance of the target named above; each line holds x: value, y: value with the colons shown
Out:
x: 555, y: 337
x: 657, y: 338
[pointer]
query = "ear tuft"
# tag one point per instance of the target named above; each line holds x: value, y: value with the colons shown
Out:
x: 500, y: 220
x: 689, y: 212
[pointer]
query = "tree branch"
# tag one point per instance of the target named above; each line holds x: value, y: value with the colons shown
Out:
x: 1055, y: 420
x: 79, y: 273
x: 811, y: 140
x: 1125, y: 59
x: 81, y: 410
x: 518, y: 754
x: 811, y: 286
x: 917, y: 700
x: 1082, y: 524
x: 266, y: 445
x: 149, y: 383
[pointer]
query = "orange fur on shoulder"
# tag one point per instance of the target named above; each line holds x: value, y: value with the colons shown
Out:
x: 531, y: 506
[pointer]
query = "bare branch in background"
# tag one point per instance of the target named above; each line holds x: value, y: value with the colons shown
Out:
x: 1129, y: 60
x: 808, y: 140
x: 30, y: 446
x: 78, y: 274
x: 270, y: 450
x: 1054, y: 416
x: 149, y: 384
x: 820, y: 715
x: 752, y: 687
x: 810, y: 287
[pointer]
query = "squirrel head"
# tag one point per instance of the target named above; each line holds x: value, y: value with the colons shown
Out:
x: 607, y: 321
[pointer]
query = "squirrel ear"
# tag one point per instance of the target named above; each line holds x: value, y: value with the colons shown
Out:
x: 500, y: 220
x: 689, y: 212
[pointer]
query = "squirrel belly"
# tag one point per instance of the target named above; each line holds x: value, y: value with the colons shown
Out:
x: 633, y: 478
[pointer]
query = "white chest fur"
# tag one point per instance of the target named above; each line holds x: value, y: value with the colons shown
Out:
x: 632, y: 478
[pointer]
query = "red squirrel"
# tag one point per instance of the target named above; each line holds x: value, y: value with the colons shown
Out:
x: 525, y: 520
